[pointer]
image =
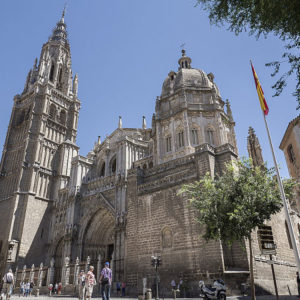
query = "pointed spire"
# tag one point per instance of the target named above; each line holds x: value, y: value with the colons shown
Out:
x: 120, y: 122
x: 59, y: 32
x: 254, y: 149
x: 144, y: 125
x: 35, y: 64
x: 228, y: 109
x: 99, y: 139
x: 75, y: 85
x: 184, y: 61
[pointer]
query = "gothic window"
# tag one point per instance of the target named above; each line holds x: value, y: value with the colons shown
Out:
x: 210, y: 136
x: 62, y: 118
x: 102, y: 170
x: 151, y: 164
x: 51, y: 75
x: 168, y: 144
x: 52, y: 111
x: 180, y: 138
x: 288, y: 235
x: 167, y: 238
x: 194, y: 137
x: 291, y: 154
x: 59, y: 81
x: 113, y: 166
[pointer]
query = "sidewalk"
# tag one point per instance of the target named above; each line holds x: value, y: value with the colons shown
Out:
x: 66, y: 297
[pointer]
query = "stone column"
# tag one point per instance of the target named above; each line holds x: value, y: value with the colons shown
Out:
x: 66, y: 278
x: 76, y: 272
x: 87, y: 264
x: 23, y: 273
x: 31, y: 274
x: 98, y: 266
x: 50, y: 272
x: 40, y: 276
x: 16, y: 276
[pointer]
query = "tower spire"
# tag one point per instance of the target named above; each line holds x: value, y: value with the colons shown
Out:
x: 254, y: 148
x: 59, y: 32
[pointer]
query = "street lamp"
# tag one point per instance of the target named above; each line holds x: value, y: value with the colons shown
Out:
x: 156, y: 262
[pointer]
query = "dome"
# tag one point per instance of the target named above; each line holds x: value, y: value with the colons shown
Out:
x: 188, y: 78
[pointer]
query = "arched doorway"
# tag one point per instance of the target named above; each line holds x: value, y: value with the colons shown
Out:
x: 58, y: 261
x: 99, y: 238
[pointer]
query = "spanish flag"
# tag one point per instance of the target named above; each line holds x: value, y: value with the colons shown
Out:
x: 260, y: 92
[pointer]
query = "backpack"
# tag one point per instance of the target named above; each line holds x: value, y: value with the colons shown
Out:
x: 9, y: 278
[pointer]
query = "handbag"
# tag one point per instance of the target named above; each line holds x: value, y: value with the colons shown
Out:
x: 104, y: 280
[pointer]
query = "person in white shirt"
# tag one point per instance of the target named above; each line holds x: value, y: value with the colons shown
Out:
x: 8, y: 281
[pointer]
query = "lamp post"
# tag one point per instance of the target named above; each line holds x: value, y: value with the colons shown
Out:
x: 156, y: 262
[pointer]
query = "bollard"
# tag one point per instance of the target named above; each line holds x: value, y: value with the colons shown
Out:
x: 149, y: 294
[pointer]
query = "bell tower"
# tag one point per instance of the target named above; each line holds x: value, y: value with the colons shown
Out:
x: 37, y: 154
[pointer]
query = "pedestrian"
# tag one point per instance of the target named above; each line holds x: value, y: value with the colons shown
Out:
x: 298, y: 284
x: 21, y: 289
x: 106, y: 280
x: 81, y: 284
x: 27, y: 288
x: 31, y: 288
x: 59, y: 288
x: 89, y: 283
x: 118, y: 286
x: 173, y: 284
x: 55, y: 288
x: 50, y: 287
x: 8, y: 283
x: 123, y: 286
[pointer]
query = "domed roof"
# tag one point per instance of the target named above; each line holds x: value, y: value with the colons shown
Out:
x: 187, y: 77
x: 194, y: 78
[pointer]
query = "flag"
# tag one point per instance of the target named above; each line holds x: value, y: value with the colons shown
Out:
x: 260, y: 92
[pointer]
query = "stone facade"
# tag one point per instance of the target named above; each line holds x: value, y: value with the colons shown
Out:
x: 120, y: 203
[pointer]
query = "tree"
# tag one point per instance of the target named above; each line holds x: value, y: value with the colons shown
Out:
x: 280, y: 17
x: 235, y: 203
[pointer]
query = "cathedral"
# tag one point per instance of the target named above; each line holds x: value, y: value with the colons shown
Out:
x: 120, y: 203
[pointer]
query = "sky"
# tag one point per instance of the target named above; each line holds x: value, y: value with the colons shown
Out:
x: 123, y: 50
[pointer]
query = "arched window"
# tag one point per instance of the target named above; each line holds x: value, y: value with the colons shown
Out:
x: 51, y: 75
x: 291, y: 154
x: 102, y: 170
x: 288, y: 235
x: 63, y: 117
x: 194, y: 136
x: 52, y: 111
x: 210, y: 136
x: 59, y: 81
x: 180, y: 139
x: 113, y: 166
x: 168, y: 144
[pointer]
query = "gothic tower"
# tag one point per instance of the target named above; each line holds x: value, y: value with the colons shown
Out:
x: 37, y: 154
x: 254, y: 149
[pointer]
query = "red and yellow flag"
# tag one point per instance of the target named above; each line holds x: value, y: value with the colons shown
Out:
x: 260, y: 92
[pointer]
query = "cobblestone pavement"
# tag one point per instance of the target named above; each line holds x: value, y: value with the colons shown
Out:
x: 65, y: 297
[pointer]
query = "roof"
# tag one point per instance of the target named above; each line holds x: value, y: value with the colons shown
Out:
x: 288, y: 131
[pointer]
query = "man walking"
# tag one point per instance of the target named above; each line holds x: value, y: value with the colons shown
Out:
x: 8, y: 281
x: 105, y: 280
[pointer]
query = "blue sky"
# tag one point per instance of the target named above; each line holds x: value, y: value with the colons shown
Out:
x: 123, y: 51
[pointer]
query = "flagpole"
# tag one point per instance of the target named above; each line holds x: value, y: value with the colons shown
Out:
x: 283, y: 198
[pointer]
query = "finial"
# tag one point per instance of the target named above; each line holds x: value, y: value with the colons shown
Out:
x: 183, y: 52
x: 144, y: 125
x: 99, y: 139
x: 35, y: 64
x: 251, y: 130
x: 120, y: 122
x: 63, y: 13
x: 229, y: 112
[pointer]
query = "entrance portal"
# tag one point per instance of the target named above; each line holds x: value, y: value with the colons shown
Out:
x: 99, y: 238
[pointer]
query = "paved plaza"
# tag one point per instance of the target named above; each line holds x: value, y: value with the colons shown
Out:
x: 66, y: 297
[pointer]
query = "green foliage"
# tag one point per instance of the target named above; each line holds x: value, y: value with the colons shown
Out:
x: 236, y: 202
x: 280, y: 17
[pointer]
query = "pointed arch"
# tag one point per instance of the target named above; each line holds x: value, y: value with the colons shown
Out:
x: 51, y: 74
x: 210, y: 136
